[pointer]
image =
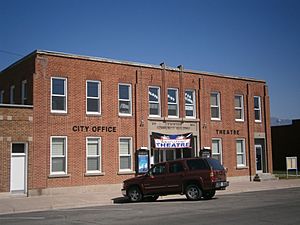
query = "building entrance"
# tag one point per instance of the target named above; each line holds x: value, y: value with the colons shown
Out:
x: 170, y: 147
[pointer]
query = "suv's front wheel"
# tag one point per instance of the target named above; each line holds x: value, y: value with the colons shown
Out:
x: 134, y: 194
x: 193, y: 192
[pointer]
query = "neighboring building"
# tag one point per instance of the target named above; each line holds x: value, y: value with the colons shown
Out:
x: 69, y: 120
x: 286, y: 143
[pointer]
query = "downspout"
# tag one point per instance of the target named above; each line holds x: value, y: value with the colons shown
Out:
x: 266, y: 117
x: 135, y: 109
x: 248, y: 126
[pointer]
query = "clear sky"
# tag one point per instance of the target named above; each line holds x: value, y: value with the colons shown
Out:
x: 249, y: 38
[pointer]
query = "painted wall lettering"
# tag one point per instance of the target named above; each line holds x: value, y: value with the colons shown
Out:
x: 108, y: 129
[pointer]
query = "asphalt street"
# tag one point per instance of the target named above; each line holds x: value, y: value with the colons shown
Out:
x: 270, y: 207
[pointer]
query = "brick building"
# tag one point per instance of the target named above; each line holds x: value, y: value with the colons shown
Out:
x: 68, y: 120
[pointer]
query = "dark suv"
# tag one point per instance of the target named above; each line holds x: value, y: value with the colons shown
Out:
x: 195, y: 177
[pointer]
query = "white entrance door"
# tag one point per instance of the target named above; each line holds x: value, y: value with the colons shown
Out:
x: 259, y: 158
x: 18, y: 171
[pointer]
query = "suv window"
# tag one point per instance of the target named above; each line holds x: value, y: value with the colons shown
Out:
x: 215, y: 164
x: 175, y: 167
x: 158, y: 170
x: 197, y: 164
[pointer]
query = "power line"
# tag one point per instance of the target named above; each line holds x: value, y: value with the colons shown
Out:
x: 10, y: 53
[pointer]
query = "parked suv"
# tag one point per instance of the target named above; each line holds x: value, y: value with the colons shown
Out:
x: 195, y: 177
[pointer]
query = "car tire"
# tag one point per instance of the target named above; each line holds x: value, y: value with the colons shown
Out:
x: 134, y: 194
x: 209, y: 194
x: 193, y: 192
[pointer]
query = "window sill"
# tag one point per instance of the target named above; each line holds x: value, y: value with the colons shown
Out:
x: 94, y: 174
x: 126, y: 172
x: 242, y: 168
x: 59, y: 175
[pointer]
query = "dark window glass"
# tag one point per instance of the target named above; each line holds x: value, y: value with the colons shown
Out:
x: 93, y: 88
x: 197, y: 164
x: 18, y: 148
x: 215, y: 164
x: 58, y: 86
x: 175, y: 167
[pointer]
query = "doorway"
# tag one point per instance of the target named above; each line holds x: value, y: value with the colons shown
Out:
x: 18, y: 168
x: 259, y: 158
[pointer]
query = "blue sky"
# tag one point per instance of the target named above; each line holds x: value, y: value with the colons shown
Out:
x: 258, y: 38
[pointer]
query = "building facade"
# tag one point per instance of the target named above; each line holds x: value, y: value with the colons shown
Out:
x: 69, y: 120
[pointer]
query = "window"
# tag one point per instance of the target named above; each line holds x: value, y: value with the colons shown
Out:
x: 240, y: 153
x: 175, y: 167
x: 12, y: 95
x: 172, y: 102
x: 257, y: 108
x: 125, y: 150
x: 59, y: 95
x: 58, y: 155
x: 154, y: 101
x: 93, y: 97
x: 2, y: 97
x: 190, y: 104
x: 217, y: 149
x: 239, y: 107
x: 124, y: 99
x: 158, y: 170
x: 215, y: 106
x: 197, y: 164
x: 24, y: 92
x: 93, y: 155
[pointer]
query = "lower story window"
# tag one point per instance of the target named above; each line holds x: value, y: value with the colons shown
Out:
x: 125, y: 153
x: 58, y: 155
x: 240, y: 153
x: 93, y: 156
x: 217, y: 149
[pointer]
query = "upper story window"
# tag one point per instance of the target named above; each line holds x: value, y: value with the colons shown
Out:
x: 173, y: 102
x: 58, y: 95
x: 12, y: 94
x: 190, y: 105
x: 239, y: 107
x: 93, y: 97
x: 2, y: 97
x: 215, y: 106
x: 24, y: 92
x: 125, y: 99
x: 154, y: 101
x: 257, y: 108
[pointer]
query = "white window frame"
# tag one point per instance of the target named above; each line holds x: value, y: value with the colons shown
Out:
x: 189, y: 105
x: 99, y: 156
x: 257, y: 109
x: 242, y: 154
x: 58, y: 95
x: 241, y: 108
x: 2, y: 97
x: 171, y: 103
x: 220, y: 153
x: 65, y: 156
x: 154, y: 102
x: 97, y: 98
x: 126, y: 155
x: 12, y: 94
x: 127, y: 100
x: 24, y: 91
x: 218, y: 106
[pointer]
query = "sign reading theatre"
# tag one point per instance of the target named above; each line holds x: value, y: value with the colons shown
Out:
x: 108, y: 129
x: 173, y: 141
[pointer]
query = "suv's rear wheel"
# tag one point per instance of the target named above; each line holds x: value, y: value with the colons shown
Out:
x: 193, y: 192
x: 134, y: 194
x: 209, y: 194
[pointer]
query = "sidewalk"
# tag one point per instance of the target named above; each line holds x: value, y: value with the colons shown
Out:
x: 109, y: 193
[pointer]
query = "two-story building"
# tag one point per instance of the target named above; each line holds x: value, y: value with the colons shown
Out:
x: 69, y: 120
